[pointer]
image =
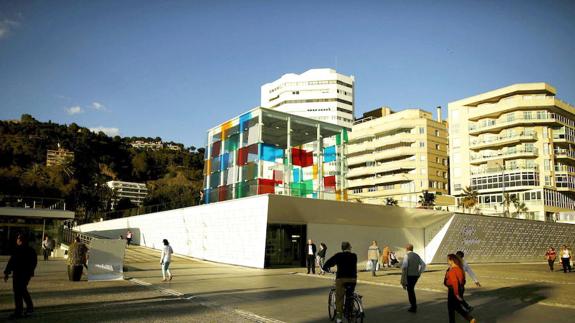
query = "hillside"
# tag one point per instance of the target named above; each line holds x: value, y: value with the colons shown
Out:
x: 171, y: 174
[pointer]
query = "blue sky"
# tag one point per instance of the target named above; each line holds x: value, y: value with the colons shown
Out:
x: 176, y: 68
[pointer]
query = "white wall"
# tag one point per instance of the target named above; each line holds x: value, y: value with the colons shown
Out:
x: 360, y: 238
x: 231, y: 232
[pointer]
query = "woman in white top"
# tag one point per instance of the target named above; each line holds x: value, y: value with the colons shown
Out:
x: 165, y: 260
x: 566, y: 258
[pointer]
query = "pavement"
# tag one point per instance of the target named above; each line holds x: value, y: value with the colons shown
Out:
x: 209, y: 292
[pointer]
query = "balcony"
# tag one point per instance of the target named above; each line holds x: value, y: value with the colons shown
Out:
x: 508, y: 154
x: 481, y: 143
x: 375, y: 180
x: 395, y: 153
x: 379, y: 142
x: 498, y: 125
x: 564, y: 153
x: 499, y: 171
x: 387, y: 167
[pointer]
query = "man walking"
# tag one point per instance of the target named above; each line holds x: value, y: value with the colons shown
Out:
x: 21, y: 265
x: 310, y: 250
x: 411, y: 269
x: 467, y: 269
x: 346, y: 276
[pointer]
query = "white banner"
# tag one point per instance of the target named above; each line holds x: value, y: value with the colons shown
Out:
x: 106, y: 259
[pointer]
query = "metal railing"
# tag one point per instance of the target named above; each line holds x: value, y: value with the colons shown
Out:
x: 32, y: 202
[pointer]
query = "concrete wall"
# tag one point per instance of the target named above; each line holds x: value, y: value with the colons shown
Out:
x: 497, y: 239
x: 231, y: 232
x: 360, y: 238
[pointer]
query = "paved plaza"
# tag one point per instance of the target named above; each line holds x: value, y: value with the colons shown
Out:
x: 209, y: 292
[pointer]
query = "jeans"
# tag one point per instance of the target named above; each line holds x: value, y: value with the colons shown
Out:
x: 373, y: 266
x: 166, y: 269
x: 411, y: 281
x: 343, y: 286
x: 321, y: 262
x: 566, y: 264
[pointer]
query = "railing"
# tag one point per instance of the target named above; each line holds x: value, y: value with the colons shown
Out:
x: 495, y: 123
x: 564, y: 152
x: 484, y: 141
x: 508, y: 152
x: 508, y: 169
x: 146, y: 209
x: 30, y: 202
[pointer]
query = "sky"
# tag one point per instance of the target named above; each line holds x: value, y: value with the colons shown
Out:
x: 173, y: 69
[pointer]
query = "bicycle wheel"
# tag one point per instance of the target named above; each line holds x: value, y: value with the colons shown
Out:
x: 331, y: 304
x: 356, y: 314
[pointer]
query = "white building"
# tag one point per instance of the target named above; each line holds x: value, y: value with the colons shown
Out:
x: 136, y: 192
x: 320, y: 94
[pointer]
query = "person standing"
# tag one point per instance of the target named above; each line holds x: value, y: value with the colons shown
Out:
x: 411, y: 269
x: 165, y: 260
x: 47, y: 247
x: 373, y: 256
x: 346, y: 276
x: 129, y: 237
x: 21, y: 265
x: 385, y: 256
x: 310, y: 250
x: 566, y: 258
x: 321, y: 257
x: 77, y: 258
x: 551, y: 255
x: 455, y: 281
x: 467, y: 268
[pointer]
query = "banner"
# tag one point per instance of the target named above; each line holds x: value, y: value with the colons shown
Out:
x: 106, y: 259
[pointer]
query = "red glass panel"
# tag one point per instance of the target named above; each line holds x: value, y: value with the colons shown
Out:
x: 266, y: 186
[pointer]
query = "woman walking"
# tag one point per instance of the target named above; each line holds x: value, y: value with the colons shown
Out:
x: 321, y: 257
x: 551, y: 255
x: 455, y: 282
x: 165, y: 260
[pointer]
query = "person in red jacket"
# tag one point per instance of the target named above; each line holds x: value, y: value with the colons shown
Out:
x: 455, y: 282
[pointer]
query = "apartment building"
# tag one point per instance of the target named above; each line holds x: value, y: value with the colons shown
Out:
x: 136, y: 192
x: 397, y: 155
x: 516, y: 141
x: 59, y: 156
x: 320, y: 94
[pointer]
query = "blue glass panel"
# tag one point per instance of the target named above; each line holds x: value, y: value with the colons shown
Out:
x: 270, y: 152
x: 329, y: 154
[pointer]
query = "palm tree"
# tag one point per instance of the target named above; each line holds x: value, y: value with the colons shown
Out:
x: 469, y: 199
x: 508, y: 199
x: 520, y: 207
x: 390, y: 201
x: 426, y: 199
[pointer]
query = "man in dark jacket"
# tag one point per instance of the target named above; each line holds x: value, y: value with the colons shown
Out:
x: 310, y: 250
x: 346, y: 276
x: 21, y: 265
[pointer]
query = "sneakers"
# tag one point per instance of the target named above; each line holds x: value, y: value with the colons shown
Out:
x: 412, y: 310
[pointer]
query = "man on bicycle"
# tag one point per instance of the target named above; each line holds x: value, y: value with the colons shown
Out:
x: 346, y: 276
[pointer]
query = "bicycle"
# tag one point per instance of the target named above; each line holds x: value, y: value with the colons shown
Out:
x: 353, y: 314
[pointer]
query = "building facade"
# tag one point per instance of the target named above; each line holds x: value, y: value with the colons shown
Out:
x: 136, y: 192
x: 319, y: 94
x: 59, y: 156
x: 397, y: 155
x: 515, y: 144
x: 267, y: 151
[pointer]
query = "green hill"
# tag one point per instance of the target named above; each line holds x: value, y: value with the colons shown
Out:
x: 172, y: 175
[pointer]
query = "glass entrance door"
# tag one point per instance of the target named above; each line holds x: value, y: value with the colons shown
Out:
x: 285, y: 245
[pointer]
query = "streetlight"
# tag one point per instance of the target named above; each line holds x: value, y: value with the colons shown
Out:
x: 505, y: 206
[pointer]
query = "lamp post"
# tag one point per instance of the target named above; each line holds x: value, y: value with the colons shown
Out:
x: 505, y: 205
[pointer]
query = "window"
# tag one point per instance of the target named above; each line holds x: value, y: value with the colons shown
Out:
x: 437, y: 133
x: 421, y: 130
x: 457, y: 187
x: 358, y: 190
x: 372, y: 189
x: 437, y: 147
x: 421, y: 144
x: 437, y: 160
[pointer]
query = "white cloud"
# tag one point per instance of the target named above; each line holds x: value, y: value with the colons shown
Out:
x: 112, y: 132
x: 98, y: 106
x: 6, y: 26
x: 74, y: 110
